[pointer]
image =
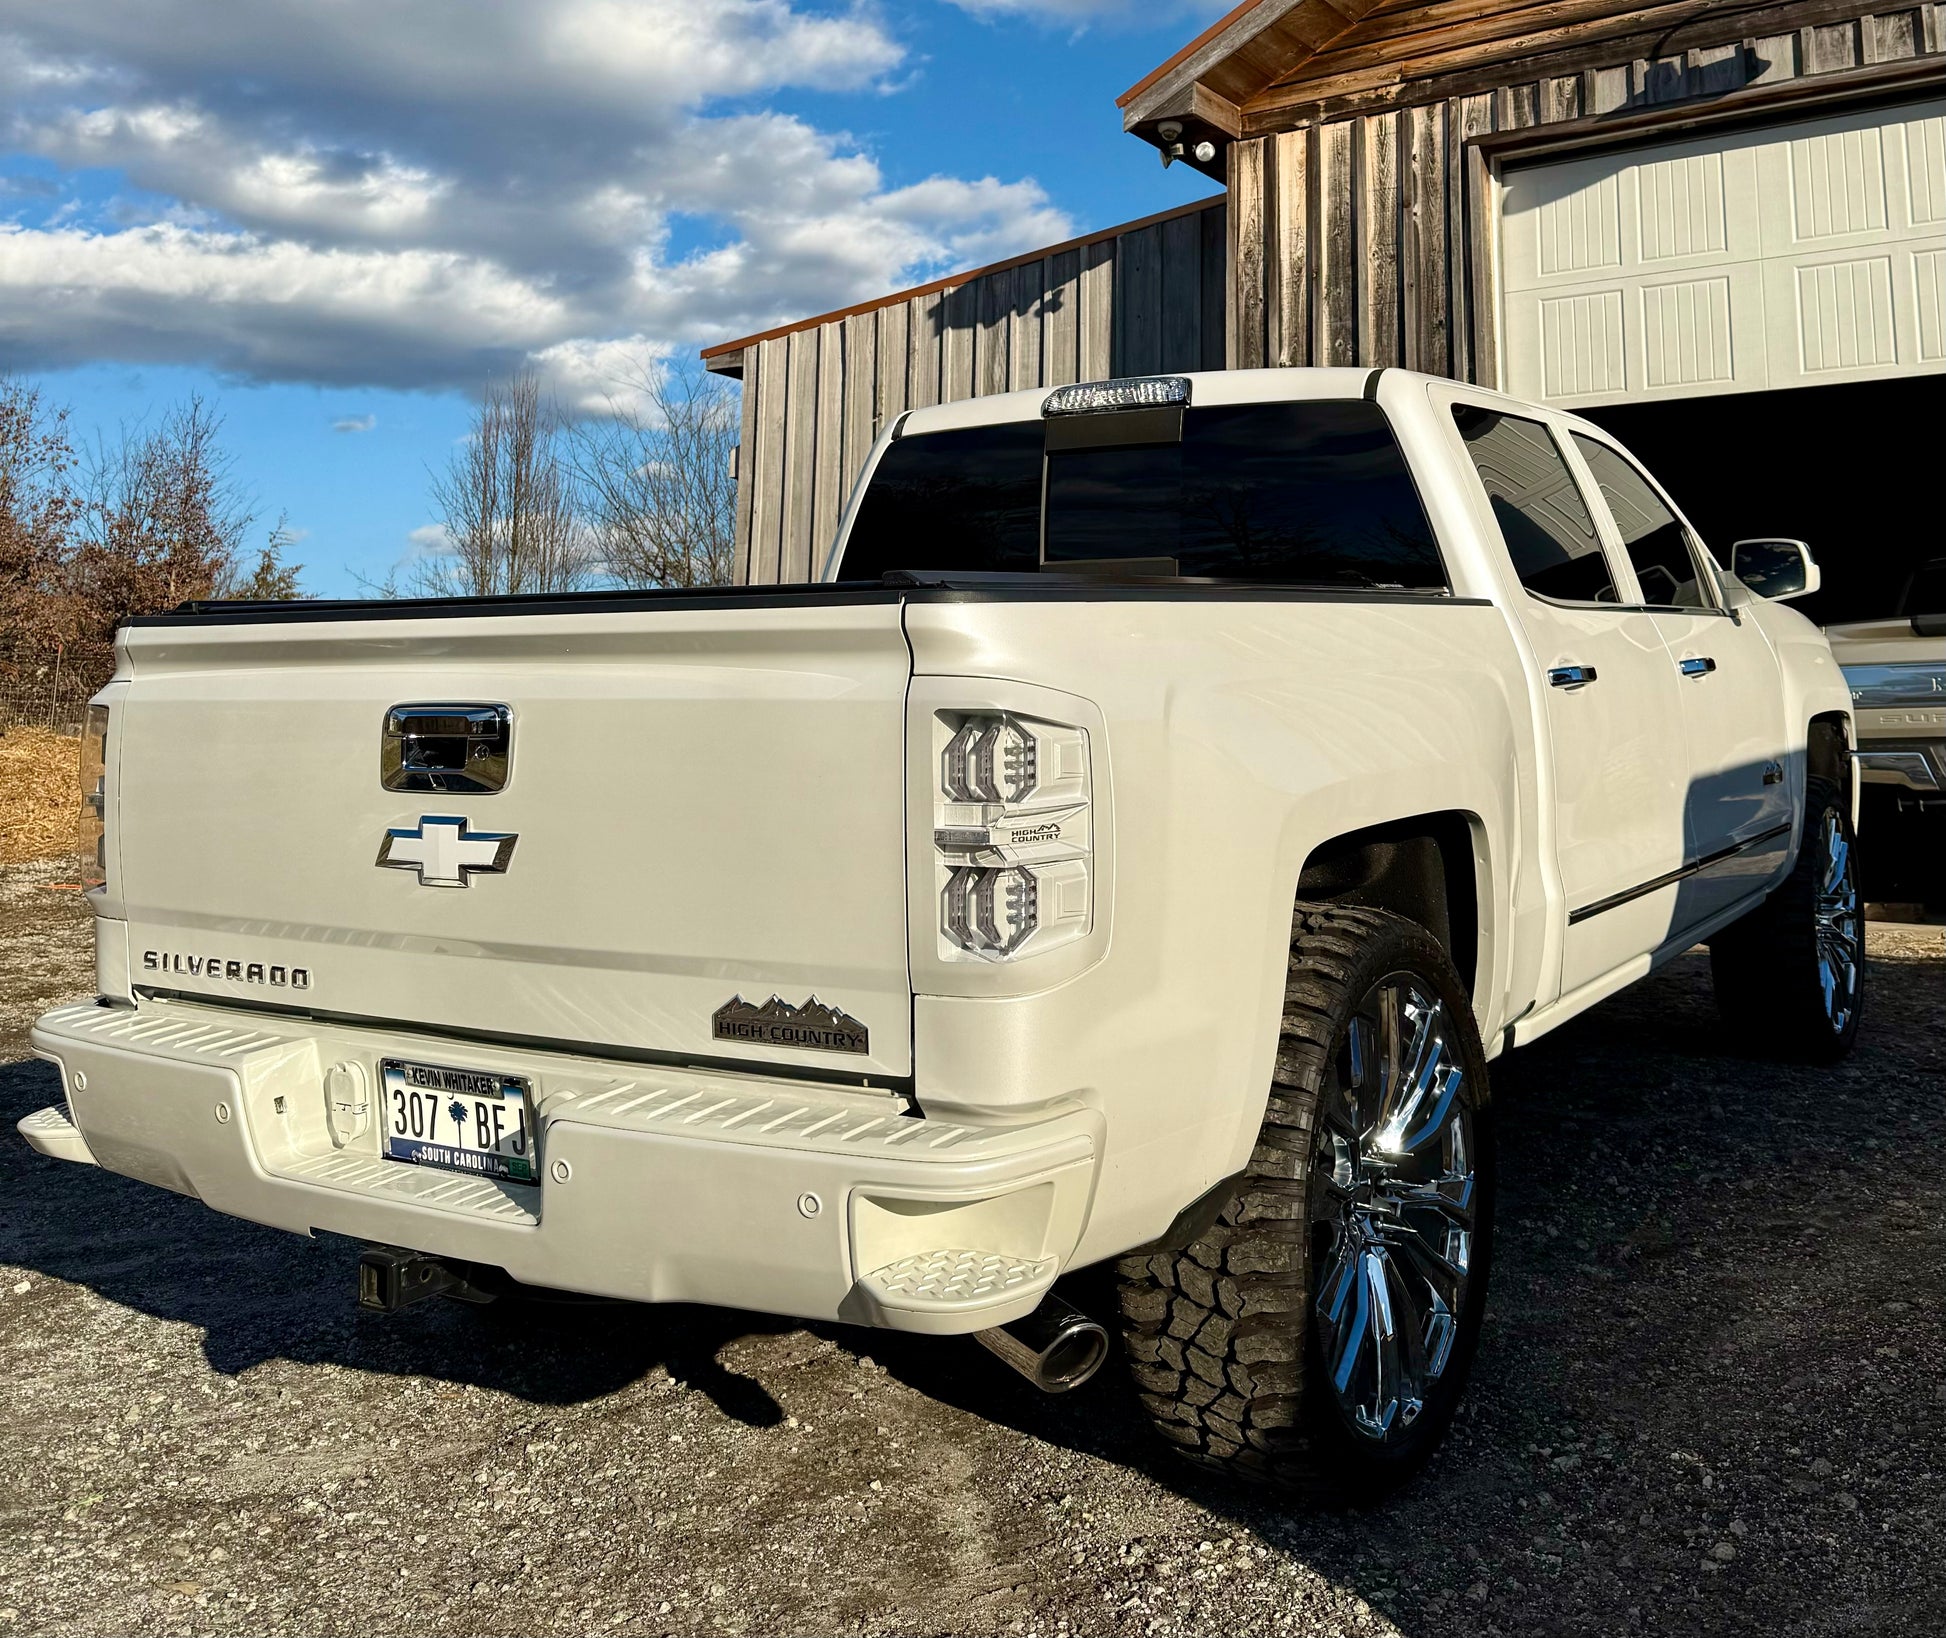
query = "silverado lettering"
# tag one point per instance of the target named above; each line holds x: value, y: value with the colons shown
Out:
x: 238, y: 972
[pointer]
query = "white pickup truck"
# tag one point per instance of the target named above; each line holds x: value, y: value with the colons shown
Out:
x: 1176, y: 793
x: 1896, y: 667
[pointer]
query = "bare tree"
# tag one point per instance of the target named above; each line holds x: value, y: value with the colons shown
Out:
x: 657, y: 482
x: 161, y: 522
x: 128, y: 527
x: 38, y: 507
x: 161, y: 509
x: 507, y: 503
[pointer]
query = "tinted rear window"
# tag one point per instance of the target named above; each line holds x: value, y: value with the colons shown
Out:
x: 1311, y: 493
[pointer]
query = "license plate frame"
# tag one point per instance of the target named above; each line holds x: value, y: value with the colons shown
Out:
x: 417, y: 1101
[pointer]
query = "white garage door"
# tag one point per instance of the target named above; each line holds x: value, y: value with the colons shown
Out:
x: 1783, y: 257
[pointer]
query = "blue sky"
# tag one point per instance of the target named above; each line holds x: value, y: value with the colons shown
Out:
x: 336, y: 222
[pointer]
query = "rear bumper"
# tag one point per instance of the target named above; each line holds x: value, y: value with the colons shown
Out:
x: 1909, y: 764
x: 658, y: 1185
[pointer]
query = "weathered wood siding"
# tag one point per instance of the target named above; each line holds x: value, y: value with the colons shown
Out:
x: 1135, y: 302
x: 1356, y: 238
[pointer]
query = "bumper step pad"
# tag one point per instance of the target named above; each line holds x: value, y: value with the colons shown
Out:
x: 50, y: 1132
x: 952, y: 1279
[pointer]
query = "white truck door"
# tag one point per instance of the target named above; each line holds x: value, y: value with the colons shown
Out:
x: 1737, y: 813
x: 1614, y: 716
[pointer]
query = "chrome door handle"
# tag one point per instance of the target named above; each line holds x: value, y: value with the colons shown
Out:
x: 1701, y: 666
x: 1571, y: 676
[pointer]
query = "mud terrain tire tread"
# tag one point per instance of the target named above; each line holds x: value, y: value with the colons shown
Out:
x: 1218, y: 1334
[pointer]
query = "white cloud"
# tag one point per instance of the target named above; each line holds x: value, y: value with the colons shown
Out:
x: 263, y: 307
x: 1080, y: 13
x: 354, y: 423
x: 367, y: 194
x: 588, y: 375
x: 428, y: 540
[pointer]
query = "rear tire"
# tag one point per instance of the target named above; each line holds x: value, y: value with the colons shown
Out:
x: 1790, y: 976
x: 1261, y: 1349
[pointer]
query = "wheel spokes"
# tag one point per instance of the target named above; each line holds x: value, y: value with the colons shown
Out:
x: 1333, y: 1194
x: 1837, y: 859
x: 1360, y: 1053
x: 1399, y: 1386
x: 1450, y: 1196
x: 1344, y: 1105
x: 1837, y: 979
x: 1840, y: 947
x: 1392, y: 1047
x: 1377, y: 1413
x: 1345, y: 1304
x: 1419, y: 1098
x: 1429, y: 1110
x: 1394, y: 1181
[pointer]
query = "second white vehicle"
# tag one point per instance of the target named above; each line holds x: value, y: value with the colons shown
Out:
x: 1896, y: 668
x: 1137, y: 848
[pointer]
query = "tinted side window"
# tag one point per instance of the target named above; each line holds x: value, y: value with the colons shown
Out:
x: 967, y: 499
x: 1306, y: 493
x: 1543, y: 519
x: 1658, y: 545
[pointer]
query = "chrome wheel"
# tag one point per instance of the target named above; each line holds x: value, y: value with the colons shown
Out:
x: 1392, y: 1219
x: 1838, y: 929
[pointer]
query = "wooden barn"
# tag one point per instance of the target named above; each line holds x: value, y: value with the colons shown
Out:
x: 1720, y: 229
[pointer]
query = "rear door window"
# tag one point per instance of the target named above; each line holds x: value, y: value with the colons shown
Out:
x: 1550, y: 534
x: 1666, y: 564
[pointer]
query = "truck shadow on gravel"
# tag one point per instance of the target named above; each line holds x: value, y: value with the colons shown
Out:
x: 1705, y: 1284
x: 258, y: 1294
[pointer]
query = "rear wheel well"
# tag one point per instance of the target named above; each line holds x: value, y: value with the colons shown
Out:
x: 1420, y: 868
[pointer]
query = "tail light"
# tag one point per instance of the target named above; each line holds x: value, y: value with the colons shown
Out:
x: 1012, y: 836
x: 91, y: 836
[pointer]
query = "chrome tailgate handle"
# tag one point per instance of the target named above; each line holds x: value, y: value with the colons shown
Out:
x: 457, y: 748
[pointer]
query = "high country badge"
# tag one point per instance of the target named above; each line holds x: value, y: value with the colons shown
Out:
x: 813, y: 1026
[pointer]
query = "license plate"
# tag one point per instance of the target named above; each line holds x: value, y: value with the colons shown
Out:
x: 460, y: 1120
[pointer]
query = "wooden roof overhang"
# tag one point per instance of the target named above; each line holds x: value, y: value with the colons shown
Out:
x: 1273, y: 65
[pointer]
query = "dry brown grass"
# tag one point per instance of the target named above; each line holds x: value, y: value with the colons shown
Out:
x: 38, y: 800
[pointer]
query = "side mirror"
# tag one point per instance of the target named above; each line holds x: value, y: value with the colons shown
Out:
x: 1776, y: 569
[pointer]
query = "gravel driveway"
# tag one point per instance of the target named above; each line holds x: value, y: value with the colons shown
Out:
x: 1710, y: 1398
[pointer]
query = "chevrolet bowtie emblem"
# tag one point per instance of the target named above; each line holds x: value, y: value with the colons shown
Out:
x: 443, y: 853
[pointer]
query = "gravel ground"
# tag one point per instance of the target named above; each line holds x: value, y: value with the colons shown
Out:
x: 1709, y: 1399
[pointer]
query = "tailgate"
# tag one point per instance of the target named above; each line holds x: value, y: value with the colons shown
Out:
x: 706, y: 804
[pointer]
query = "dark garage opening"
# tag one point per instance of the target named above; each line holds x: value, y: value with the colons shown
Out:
x: 1858, y: 471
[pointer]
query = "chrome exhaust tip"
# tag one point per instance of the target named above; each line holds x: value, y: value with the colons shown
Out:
x: 1057, y: 1347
